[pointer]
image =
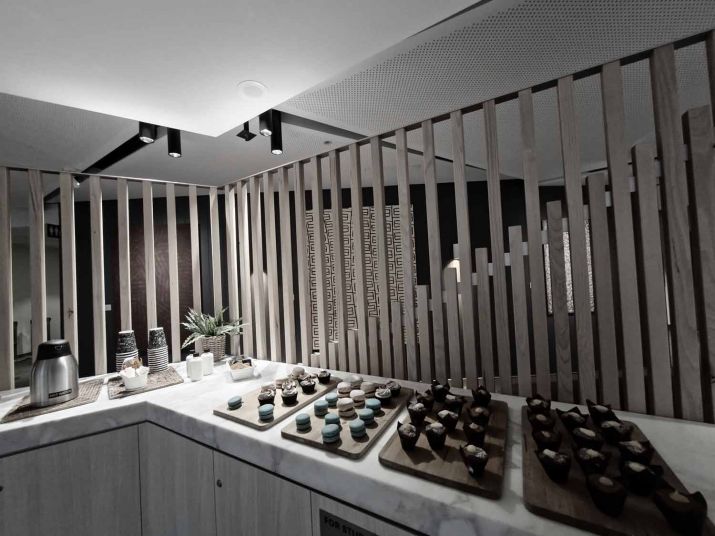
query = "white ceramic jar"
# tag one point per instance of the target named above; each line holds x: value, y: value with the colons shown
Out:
x: 194, y: 367
x: 208, y: 361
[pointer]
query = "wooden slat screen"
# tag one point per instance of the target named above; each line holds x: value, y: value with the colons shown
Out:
x: 98, y: 301
x: 69, y: 262
x: 7, y: 353
x: 38, y: 287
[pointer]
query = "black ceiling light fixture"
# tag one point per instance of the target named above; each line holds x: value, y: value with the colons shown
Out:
x: 174, y: 142
x: 265, y: 123
x: 276, y: 134
x: 246, y: 134
x: 147, y: 132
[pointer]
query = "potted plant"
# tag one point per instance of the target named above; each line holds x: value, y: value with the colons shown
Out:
x: 212, y: 330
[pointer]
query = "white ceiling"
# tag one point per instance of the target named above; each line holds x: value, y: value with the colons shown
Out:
x: 177, y: 63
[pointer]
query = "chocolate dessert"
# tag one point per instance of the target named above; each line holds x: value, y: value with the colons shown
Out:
x: 587, y: 438
x: 481, y: 397
x: 475, y: 458
x: 556, y: 464
x: 607, y: 494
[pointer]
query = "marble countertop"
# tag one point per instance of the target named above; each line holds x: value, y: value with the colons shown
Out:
x: 421, y: 505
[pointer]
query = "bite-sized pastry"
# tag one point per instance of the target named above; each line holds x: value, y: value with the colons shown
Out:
x: 408, y: 434
x: 265, y: 412
x: 394, y: 387
x: 331, y: 399
x: 616, y: 431
x: 547, y: 439
x: 636, y: 451
x: 357, y: 428
x: 440, y: 391
x: 454, y: 403
x: 417, y: 412
x: 475, y: 458
x: 330, y: 433
x: 289, y: 395
x: 346, y: 408
x: 475, y: 434
x: 641, y: 479
x: 344, y: 389
x: 684, y: 512
x: 324, y: 376
x: 587, y: 438
x: 479, y: 415
x: 426, y: 399
x: 332, y: 418
x: 436, y: 435
x: 235, y: 402
x: 374, y: 404
x: 608, y: 495
x: 358, y: 397
x: 308, y: 386
x: 355, y: 380
x: 538, y: 404
x: 279, y: 381
x: 383, y: 394
x: 600, y: 412
x: 297, y: 372
x: 368, y: 388
x: 572, y: 418
x: 320, y: 408
x: 541, y: 421
x: 556, y: 464
x: 592, y: 461
x: 448, y: 418
x: 302, y: 422
x: 366, y: 415
x: 266, y: 397
x: 481, y: 397
x: 268, y: 386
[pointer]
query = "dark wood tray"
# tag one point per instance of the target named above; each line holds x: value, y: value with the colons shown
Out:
x: 347, y: 446
x: 446, y: 467
x: 248, y: 413
x: 570, y: 503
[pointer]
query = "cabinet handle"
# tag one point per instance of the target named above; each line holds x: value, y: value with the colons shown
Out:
x: 218, y: 483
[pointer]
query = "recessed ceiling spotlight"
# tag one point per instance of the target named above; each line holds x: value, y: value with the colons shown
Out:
x: 147, y: 132
x: 246, y: 134
x: 264, y: 123
x: 173, y: 137
x: 277, y: 134
x: 251, y: 89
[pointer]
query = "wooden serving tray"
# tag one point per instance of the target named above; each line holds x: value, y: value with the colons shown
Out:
x: 446, y: 466
x: 248, y: 413
x: 347, y: 446
x: 571, y: 503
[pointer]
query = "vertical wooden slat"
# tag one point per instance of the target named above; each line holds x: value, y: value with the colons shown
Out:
x: 398, y: 343
x: 287, y: 270
x: 319, y: 243
x: 215, y: 250
x: 373, y: 338
x: 245, y: 264
x: 655, y: 307
x: 710, y: 58
x: 69, y: 262
x: 604, y: 296
x: 669, y: 134
x: 96, y: 224
x: 333, y: 352
x: 274, y: 312
x: 484, y: 296
x: 702, y: 187
x: 125, y: 278
x: 408, y: 269
x: 352, y: 345
x: 301, y: 241
x: 38, y: 288
x: 434, y: 245
x: 173, y: 272
x: 359, y: 267
x: 259, y: 296
x: 7, y: 363
x: 564, y: 370
x: 383, y: 285
x: 425, y: 333
x: 616, y: 150
x: 496, y: 233
x: 229, y: 196
x: 521, y: 319
x: 340, y: 303
x: 452, y: 317
x: 195, y: 256
x: 570, y: 153
x: 533, y: 233
x: 149, y: 266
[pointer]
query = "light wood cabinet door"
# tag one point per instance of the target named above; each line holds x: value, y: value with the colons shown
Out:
x: 86, y: 486
x: 252, y: 502
x: 333, y: 518
x: 177, y: 484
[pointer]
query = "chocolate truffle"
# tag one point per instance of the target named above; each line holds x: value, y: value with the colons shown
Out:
x: 636, y: 451
x: 592, y: 461
x: 685, y: 513
x: 641, y: 479
x: 587, y: 438
x: 572, y: 418
x: 556, y: 464
x: 615, y: 431
x: 538, y: 404
x: 600, y: 412
x: 547, y: 439
x: 541, y: 421
x: 608, y: 495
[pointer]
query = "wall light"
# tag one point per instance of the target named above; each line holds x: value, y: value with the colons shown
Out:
x: 147, y: 132
x: 277, y: 134
x: 265, y: 127
x: 174, y: 142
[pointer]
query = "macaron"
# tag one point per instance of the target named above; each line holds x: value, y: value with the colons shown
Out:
x: 366, y: 415
x: 332, y: 418
x: 357, y: 428
x: 265, y: 412
x: 355, y: 380
x: 358, y: 397
x: 368, y: 388
x: 330, y: 433
x: 235, y: 402
x: 346, y: 408
x: 302, y: 422
x: 320, y: 408
x: 374, y: 404
x: 344, y: 389
x: 331, y: 399
x: 297, y: 372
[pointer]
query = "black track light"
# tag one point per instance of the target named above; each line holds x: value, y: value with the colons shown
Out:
x: 246, y: 134
x: 174, y: 141
x: 265, y: 123
x: 277, y: 134
x: 147, y: 132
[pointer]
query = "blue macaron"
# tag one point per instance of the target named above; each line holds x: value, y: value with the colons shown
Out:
x: 374, y: 404
x: 331, y: 399
x: 366, y: 415
x: 331, y: 433
x: 265, y: 412
x: 357, y: 428
x: 235, y: 402
x: 320, y: 408
x: 302, y: 422
x: 332, y: 418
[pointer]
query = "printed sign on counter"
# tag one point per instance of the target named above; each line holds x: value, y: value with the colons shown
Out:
x: 332, y: 525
